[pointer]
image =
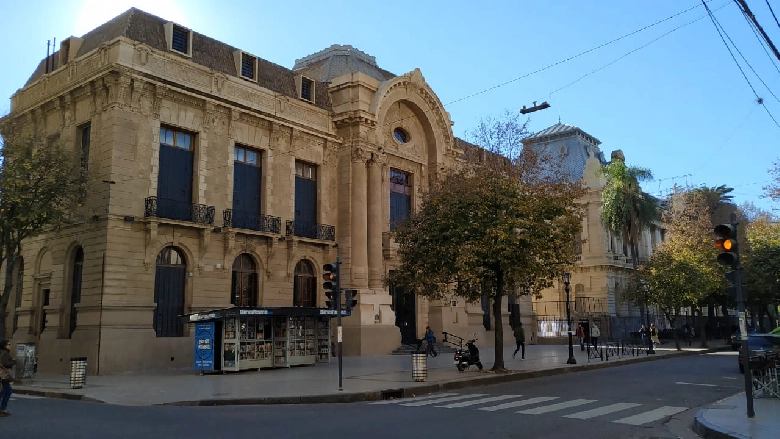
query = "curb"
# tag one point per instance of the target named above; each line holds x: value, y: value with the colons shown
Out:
x: 707, y: 430
x: 390, y: 393
x: 404, y: 392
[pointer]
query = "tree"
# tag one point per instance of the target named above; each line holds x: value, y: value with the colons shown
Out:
x: 773, y: 188
x: 496, y: 222
x: 40, y: 187
x: 625, y: 209
x: 762, y: 265
x: 682, y: 269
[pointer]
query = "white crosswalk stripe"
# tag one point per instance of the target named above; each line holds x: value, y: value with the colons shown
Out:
x: 603, y: 410
x: 652, y: 415
x: 436, y: 401
x: 482, y: 401
x: 416, y: 398
x: 478, y: 401
x: 556, y: 407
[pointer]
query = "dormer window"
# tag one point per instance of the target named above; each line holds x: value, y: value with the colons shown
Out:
x: 307, y: 89
x: 179, y: 38
x: 248, y: 66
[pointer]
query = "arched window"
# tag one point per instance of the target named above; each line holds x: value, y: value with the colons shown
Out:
x: 244, y: 284
x: 169, y: 281
x: 75, y: 287
x: 305, y: 286
x: 19, y: 287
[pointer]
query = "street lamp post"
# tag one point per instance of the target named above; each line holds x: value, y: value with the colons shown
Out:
x: 566, y: 282
x: 650, y: 349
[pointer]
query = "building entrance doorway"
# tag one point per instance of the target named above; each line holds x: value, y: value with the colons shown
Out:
x: 405, y: 313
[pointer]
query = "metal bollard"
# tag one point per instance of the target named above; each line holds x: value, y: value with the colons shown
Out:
x: 419, y: 367
x: 78, y: 372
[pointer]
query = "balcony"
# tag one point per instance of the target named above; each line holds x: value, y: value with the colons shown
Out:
x: 179, y: 211
x: 311, y: 230
x: 243, y: 220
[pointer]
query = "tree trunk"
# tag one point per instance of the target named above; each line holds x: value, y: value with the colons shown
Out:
x: 673, y: 321
x: 702, y: 326
x: 499, y: 326
x: 6, y: 296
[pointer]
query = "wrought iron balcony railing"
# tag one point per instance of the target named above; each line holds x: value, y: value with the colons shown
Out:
x: 311, y: 230
x: 251, y: 221
x: 178, y: 210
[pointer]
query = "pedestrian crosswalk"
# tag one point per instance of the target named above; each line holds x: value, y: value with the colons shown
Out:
x: 629, y: 413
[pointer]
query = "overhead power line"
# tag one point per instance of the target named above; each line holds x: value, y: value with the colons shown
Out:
x: 746, y: 10
x: 773, y: 13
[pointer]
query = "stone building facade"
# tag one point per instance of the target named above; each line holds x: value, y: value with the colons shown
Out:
x: 218, y: 178
x: 605, y: 265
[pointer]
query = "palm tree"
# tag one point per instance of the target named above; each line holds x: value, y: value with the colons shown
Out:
x: 625, y: 209
x: 719, y: 200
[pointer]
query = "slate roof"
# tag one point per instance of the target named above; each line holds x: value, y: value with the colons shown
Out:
x: 338, y: 60
x: 559, y: 129
x: 146, y: 28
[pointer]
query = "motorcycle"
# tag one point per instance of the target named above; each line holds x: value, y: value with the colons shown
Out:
x: 464, y: 358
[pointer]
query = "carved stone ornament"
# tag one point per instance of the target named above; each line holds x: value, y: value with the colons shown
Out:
x: 219, y: 81
x: 143, y: 54
x: 358, y: 155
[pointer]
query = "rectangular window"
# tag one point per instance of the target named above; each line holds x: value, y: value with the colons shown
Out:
x: 248, y: 63
x: 305, y: 200
x: 174, y: 138
x: 307, y: 88
x: 400, y: 197
x: 174, y: 181
x: 305, y: 170
x: 85, y: 131
x: 181, y: 40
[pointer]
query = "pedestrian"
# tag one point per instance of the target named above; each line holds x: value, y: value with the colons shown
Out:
x: 642, y: 332
x: 431, y: 339
x: 654, y: 334
x: 520, y: 339
x: 581, y: 336
x: 687, y: 332
x: 595, y: 332
x: 6, y: 363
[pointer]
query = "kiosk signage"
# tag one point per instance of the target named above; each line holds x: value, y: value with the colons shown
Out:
x: 204, y: 346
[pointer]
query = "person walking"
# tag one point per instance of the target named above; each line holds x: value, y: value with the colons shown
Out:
x: 581, y: 336
x: 431, y: 339
x: 520, y: 339
x: 6, y: 363
x: 595, y: 332
x: 654, y: 334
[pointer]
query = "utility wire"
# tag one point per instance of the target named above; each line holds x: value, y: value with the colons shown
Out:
x: 773, y: 13
x: 635, y: 50
x: 758, y: 98
x: 760, y: 40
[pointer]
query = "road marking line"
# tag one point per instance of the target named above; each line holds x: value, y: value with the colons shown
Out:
x: 558, y: 406
x: 652, y: 415
x: 696, y: 384
x: 602, y: 410
x: 416, y: 398
x: 478, y: 401
x: 513, y: 404
x: 436, y: 401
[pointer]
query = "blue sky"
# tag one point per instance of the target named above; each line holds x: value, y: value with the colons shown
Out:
x: 678, y: 106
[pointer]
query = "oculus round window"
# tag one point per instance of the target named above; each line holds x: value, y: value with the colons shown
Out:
x: 400, y: 135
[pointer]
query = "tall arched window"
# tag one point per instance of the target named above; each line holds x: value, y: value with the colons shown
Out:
x: 169, y: 281
x: 75, y: 287
x: 19, y: 288
x: 244, y: 284
x: 305, y: 286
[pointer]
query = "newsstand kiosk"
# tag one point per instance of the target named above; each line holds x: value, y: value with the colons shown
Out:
x: 240, y: 338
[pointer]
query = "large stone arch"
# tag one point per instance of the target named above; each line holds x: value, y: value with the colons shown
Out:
x: 412, y: 90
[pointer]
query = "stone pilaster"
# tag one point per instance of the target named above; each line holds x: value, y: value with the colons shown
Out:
x: 375, y: 270
x: 359, y: 215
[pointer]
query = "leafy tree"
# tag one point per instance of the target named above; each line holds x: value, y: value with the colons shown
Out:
x: 682, y: 269
x: 773, y: 188
x: 485, y: 228
x: 625, y: 209
x: 762, y: 264
x: 40, y: 185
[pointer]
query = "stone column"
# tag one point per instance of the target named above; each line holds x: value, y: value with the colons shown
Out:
x: 359, y: 231
x: 375, y: 271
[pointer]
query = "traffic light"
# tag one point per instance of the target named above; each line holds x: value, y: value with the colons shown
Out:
x: 350, y: 298
x: 727, y: 244
x: 331, y: 284
x: 731, y: 290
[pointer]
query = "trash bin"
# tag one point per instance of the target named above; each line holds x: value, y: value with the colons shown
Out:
x: 78, y: 372
x: 419, y: 366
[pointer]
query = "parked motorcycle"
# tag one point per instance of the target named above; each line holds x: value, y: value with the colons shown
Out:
x: 464, y: 357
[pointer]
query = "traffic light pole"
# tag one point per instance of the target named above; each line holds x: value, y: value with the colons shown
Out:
x: 338, y: 320
x: 745, y: 348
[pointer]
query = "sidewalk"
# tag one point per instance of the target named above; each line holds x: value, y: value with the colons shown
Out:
x: 364, y: 378
x: 728, y: 419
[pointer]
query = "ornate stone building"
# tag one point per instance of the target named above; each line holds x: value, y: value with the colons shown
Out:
x: 219, y: 179
x: 605, y: 264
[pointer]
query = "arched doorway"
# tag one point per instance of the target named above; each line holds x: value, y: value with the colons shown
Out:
x: 75, y: 287
x: 170, y: 275
x: 305, y: 284
x: 244, y: 284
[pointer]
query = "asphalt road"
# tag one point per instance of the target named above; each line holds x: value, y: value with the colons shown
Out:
x: 650, y: 400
